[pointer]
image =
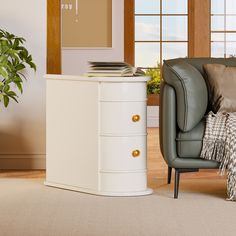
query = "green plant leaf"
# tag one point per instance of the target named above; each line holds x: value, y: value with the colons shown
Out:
x: 8, y: 81
x: 22, y: 40
x: 16, y: 43
x: 11, y: 93
x: 20, y: 67
x: 153, y: 85
x: 6, y: 100
x: 14, y: 57
x: 3, y: 72
x: 17, y: 79
x: 19, y: 86
x: 32, y: 65
x: 29, y: 58
x: 6, y: 88
x: 3, y: 59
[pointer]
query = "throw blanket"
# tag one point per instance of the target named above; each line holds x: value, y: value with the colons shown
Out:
x: 219, y: 144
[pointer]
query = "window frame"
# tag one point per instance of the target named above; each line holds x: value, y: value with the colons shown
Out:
x: 53, y: 36
x: 198, y: 29
x: 160, y: 41
x: 225, y: 31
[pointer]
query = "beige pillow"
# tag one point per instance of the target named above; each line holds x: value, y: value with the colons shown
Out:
x: 222, y: 85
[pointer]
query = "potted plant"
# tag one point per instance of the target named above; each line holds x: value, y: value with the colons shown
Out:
x: 153, y: 85
x: 14, y: 58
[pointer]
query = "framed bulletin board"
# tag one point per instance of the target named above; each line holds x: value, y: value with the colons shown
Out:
x: 86, y: 23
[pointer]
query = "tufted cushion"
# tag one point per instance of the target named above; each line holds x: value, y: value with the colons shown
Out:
x: 191, y: 92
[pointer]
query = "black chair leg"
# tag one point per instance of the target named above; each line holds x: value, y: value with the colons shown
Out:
x: 169, y: 174
x: 178, y: 171
x: 176, y: 191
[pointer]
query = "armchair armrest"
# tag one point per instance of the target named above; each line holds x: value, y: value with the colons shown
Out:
x: 168, y: 123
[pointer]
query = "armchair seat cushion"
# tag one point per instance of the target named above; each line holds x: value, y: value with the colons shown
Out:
x: 189, y: 144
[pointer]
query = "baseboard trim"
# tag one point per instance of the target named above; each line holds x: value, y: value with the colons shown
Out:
x: 21, y: 162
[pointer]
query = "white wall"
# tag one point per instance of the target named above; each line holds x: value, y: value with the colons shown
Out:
x: 75, y: 61
x: 22, y: 126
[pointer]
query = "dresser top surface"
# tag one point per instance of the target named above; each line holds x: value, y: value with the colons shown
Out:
x: 97, y: 79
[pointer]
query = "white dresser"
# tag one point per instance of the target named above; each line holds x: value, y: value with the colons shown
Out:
x: 96, y: 134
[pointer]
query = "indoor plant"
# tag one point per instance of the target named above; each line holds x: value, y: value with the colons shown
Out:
x: 14, y: 58
x: 153, y: 85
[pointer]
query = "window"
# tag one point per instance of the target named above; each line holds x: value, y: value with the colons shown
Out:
x: 161, y: 31
x: 223, y: 28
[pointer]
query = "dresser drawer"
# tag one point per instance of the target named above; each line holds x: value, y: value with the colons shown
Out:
x: 123, y: 91
x: 123, y: 182
x: 123, y: 153
x: 123, y: 118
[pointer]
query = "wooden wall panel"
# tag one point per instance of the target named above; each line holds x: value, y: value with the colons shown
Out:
x: 129, y: 31
x: 53, y: 37
x: 199, y: 28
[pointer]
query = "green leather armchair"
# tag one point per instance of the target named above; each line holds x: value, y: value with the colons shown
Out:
x: 183, y: 105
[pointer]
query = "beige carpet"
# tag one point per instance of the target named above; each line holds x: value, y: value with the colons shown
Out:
x: 27, y: 207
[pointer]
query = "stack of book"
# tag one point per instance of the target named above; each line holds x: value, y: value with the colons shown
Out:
x: 111, y: 69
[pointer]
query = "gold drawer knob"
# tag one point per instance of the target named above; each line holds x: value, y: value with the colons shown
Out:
x: 135, y: 118
x: 135, y: 153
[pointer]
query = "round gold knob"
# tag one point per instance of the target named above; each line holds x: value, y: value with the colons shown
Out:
x: 135, y: 153
x: 135, y: 118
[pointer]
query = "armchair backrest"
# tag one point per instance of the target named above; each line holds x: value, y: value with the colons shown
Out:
x: 199, y: 62
x: 187, y: 77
